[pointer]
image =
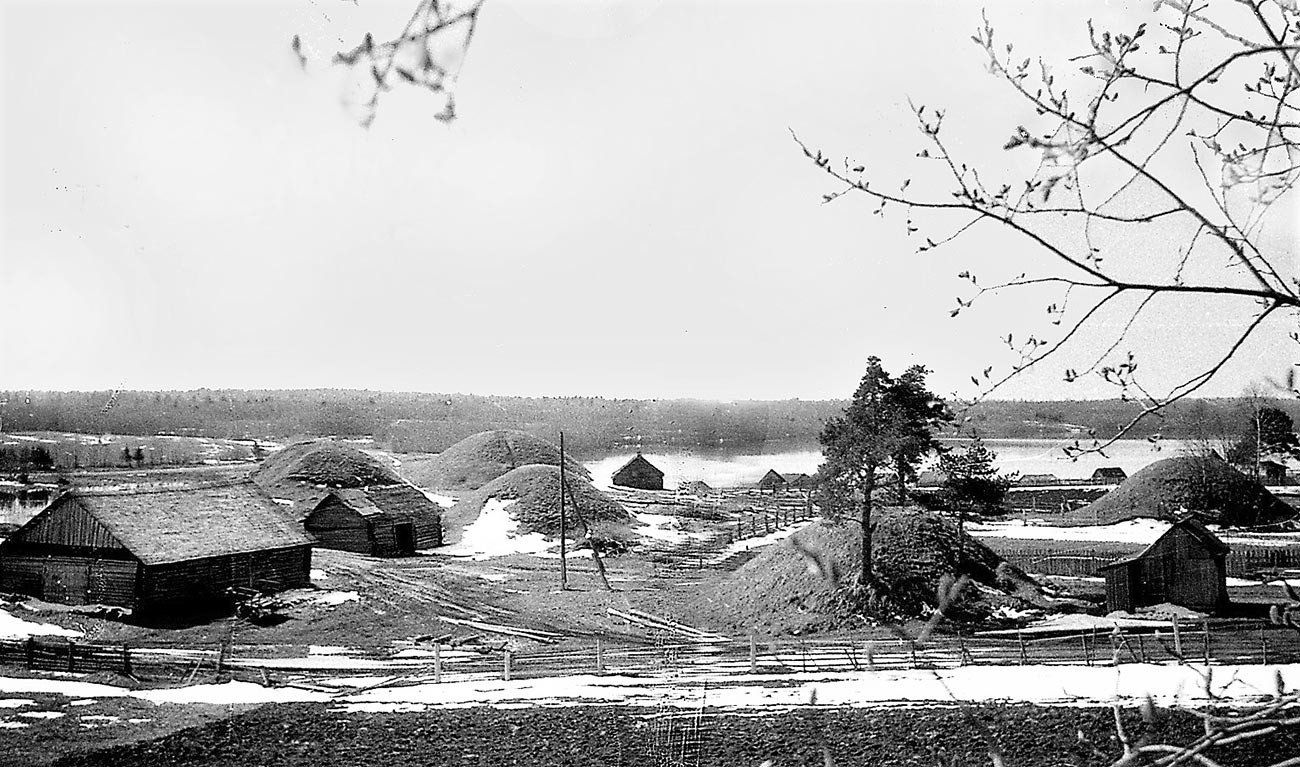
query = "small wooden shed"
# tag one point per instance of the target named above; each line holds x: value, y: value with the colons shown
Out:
x: 640, y: 474
x: 381, y: 521
x: 1185, y: 566
x: 156, y: 550
x: 1109, y: 475
x: 1272, y: 472
x: 696, y: 487
x: 772, y: 481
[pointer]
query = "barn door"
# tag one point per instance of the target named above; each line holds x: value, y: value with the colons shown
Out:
x: 404, y: 532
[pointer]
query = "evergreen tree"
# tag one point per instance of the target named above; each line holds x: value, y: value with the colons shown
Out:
x: 971, y: 480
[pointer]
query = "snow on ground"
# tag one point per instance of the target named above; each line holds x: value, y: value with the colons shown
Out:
x: 661, y: 527
x: 1136, y: 531
x: 1167, y: 684
x: 753, y: 543
x: 1076, y: 623
x: 493, y: 534
x: 319, y: 575
x: 12, y: 627
x: 445, y: 501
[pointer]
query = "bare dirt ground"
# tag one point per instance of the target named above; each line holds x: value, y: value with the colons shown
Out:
x: 284, y: 735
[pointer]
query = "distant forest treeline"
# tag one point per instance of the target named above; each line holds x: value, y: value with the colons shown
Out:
x: 415, y: 422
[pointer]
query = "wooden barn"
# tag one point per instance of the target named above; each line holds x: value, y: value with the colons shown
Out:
x: 1109, y: 475
x: 1038, y: 480
x: 381, y: 521
x: 772, y: 482
x: 160, y: 550
x: 639, y: 473
x: 801, y: 481
x: 1185, y: 566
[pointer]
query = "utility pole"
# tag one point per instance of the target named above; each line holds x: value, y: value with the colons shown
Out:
x: 564, y: 565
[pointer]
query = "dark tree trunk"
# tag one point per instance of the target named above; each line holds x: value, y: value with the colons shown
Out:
x: 900, y: 467
x: 868, y: 485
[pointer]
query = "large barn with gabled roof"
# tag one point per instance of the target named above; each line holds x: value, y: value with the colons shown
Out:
x: 154, y: 550
x: 382, y: 521
x: 639, y: 473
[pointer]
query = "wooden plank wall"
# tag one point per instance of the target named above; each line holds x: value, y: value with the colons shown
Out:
x: 200, y: 579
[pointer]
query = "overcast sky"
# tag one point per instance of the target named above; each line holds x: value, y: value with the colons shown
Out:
x: 619, y: 210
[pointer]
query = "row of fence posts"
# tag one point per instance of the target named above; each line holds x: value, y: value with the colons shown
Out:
x: 772, y: 521
x: 29, y: 651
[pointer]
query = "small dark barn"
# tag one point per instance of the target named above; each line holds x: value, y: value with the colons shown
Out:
x: 1272, y: 473
x: 1109, y: 475
x: 381, y: 521
x: 1185, y: 566
x: 150, y: 551
x: 639, y: 473
x: 772, y: 481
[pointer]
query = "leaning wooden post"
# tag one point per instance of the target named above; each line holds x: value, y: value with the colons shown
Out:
x: 753, y: 653
x: 1263, y: 644
x: 1024, y: 655
x: 564, y: 564
x: 31, y: 652
x: 1178, y: 638
x: 1206, y: 625
x: 507, y: 665
x: 72, y: 662
x: 126, y: 660
x: 437, y: 663
x: 600, y: 655
x: 1083, y: 640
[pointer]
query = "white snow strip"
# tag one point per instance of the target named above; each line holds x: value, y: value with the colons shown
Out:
x: 12, y: 627
x: 319, y: 575
x: 445, y: 501
x: 1136, y: 531
x: 1167, y: 684
x: 16, y: 702
x: 13, y: 725
x: 758, y: 542
x: 493, y: 534
x: 42, y: 714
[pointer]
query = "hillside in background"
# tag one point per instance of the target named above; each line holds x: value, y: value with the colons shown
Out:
x: 421, y: 422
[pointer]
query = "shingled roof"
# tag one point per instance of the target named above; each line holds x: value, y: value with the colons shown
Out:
x: 176, y: 525
x: 401, y: 502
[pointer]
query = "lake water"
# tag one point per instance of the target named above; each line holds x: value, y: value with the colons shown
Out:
x: 1026, y: 456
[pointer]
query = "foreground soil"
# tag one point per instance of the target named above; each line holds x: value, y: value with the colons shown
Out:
x: 319, y: 736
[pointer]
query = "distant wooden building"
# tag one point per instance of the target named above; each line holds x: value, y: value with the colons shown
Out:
x: 1272, y: 473
x: 1185, y: 566
x: 639, y: 473
x: 153, y: 551
x: 1109, y: 475
x: 931, y: 478
x: 800, y: 481
x: 772, y: 482
x: 381, y: 521
x: 1038, y: 480
x: 696, y: 488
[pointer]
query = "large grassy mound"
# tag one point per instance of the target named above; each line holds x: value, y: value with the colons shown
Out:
x: 481, y: 458
x: 536, y: 490
x: 1208, y: 487
x: 810, y: 582
x: 320, y: 463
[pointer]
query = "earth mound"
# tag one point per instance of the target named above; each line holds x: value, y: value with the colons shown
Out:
x: 298, y: 471
x: 483, y: 457
x: 1207, y: 487
x: 536, y: 492
x: 810, y: 581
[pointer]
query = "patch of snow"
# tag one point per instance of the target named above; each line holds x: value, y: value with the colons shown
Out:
x: 16, y: 702
x: 42, y: 714
x: 1139, y: 531
x: 319, y: 575
x: 230, y: 693
x: 759, y: 541
x: 84, y: 702
x: 660, y: 527
x: 100, y: 718
x: 13, y: 725
x: 1293, y: 582
x: 139, y: 721
x: 12, y: 627
x: 1079, y: 622
x: 282, y: 501
x: 493, y: 534
x: 314, y: 597
x: 326, y: 650
x: 445, y: 501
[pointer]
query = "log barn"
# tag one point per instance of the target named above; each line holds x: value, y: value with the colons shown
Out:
x: 639, y: 473
x: 153, y: 551
x: 772, y: 481
x: 801, y: 481
x: 1185, y: 566
x: 380, y: 521
x: 1109, y: 475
